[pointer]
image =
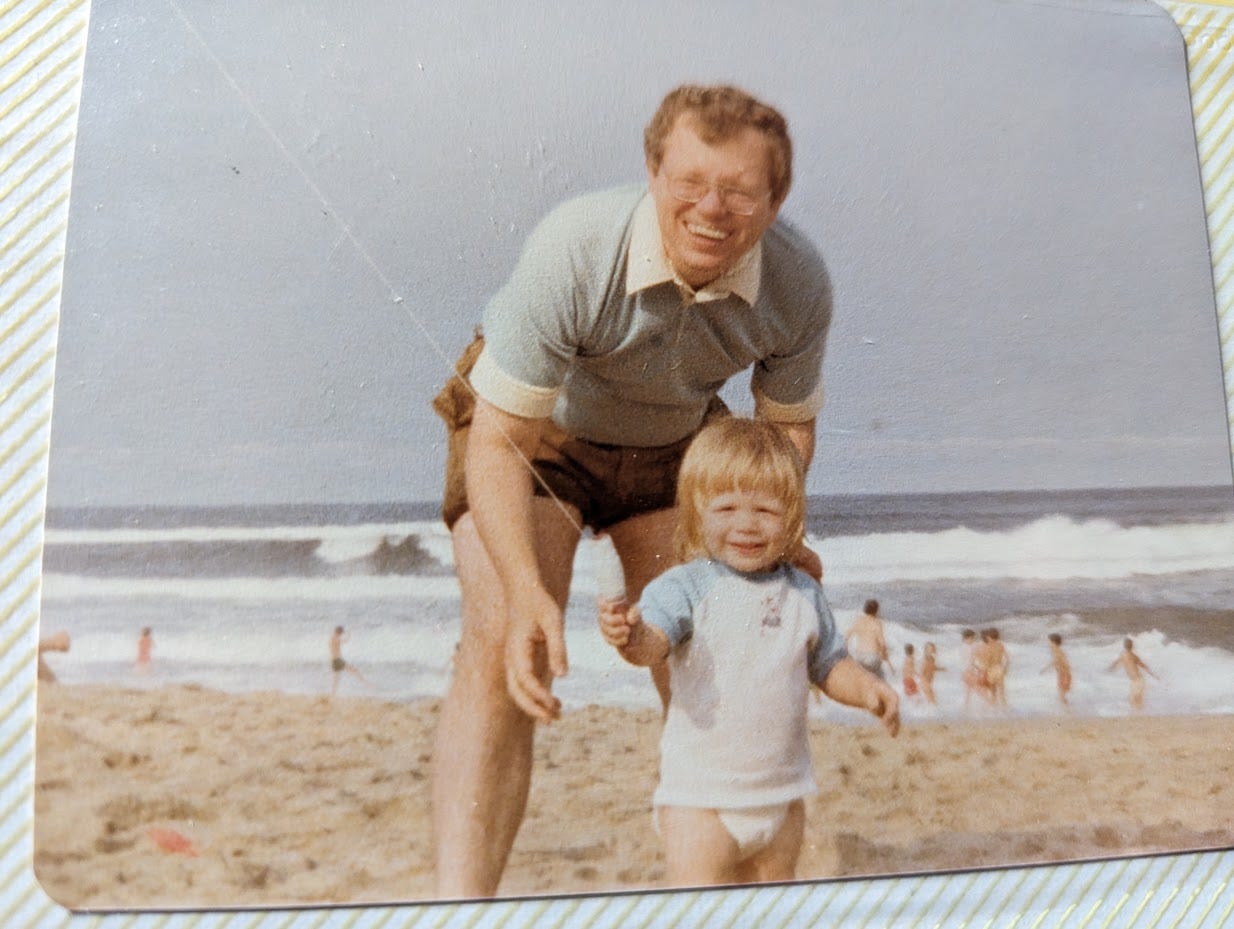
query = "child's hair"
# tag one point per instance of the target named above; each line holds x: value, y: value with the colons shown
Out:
x: 908, y: 649
x: 871, y: 608
x: 968, y: 634
x: 734, y: 453
x: 1128, y: 644
x: 1056, y: 638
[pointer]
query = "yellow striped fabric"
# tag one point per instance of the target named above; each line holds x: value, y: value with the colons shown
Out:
x: 41, y: 53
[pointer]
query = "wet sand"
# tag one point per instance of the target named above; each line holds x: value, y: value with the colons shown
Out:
x: 185, y: 797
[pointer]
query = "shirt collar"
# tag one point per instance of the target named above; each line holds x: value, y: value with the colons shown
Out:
x: 648, y: 265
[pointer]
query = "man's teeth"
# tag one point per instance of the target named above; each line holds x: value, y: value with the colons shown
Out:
x: 710, y: 232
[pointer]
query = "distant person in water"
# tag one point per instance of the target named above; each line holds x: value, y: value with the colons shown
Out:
x: 56, y: 642
x: 866, y: 643
x: 974, y: 676
x: 337, y: 664
x: 1062, y: 668
x: 929, y: 667
x: 145, y: 646
x: 993, y: 661
x: 1132, y: 664
x: 910, y: 672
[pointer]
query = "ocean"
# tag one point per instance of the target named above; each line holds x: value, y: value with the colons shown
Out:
x: 245, y: 598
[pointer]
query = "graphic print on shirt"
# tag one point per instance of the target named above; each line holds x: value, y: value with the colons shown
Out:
x: 771, y: 606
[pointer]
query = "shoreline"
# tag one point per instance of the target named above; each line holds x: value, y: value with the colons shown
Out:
x: 286, y: 799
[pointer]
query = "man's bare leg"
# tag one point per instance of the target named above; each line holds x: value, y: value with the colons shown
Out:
x: 645, y: 543
x: 483, y: 746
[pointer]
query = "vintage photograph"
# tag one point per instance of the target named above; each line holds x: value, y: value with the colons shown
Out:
x: 456, y: 413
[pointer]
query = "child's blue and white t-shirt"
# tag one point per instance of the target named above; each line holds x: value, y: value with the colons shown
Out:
x: 743, y: 651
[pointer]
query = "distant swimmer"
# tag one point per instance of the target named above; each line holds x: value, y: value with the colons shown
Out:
x: 974, y: 676
x: 929, y: 667
x: 337, y: 664
x: 1133, y: 665
x: 1061, y: 666
x: 866, y: 643
x: 145, y: 646
x: 909, y: 672
x: 993, y: 661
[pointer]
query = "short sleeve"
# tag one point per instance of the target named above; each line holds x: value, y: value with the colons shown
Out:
x: 828, y: 647
x: 787, y: 385
x: 530, y: 324
x: 668, y: 604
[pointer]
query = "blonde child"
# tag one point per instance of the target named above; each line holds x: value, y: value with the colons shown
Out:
x: 929, y: 667
x: 744, y: 635
x: 1061, y: 666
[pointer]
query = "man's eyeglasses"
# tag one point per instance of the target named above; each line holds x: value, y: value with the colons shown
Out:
x: 688, y: 190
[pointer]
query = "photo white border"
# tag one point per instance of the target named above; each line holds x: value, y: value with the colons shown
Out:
x: 42, y: 47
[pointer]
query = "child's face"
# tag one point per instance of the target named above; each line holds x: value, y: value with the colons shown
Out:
x: 745, y: 529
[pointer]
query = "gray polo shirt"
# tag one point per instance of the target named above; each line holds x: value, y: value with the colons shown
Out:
x: 590, y: 330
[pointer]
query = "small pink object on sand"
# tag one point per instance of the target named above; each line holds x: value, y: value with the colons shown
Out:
x: 171, y: 841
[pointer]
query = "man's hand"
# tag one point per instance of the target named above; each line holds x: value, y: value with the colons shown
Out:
x: 808, y: 561
x: 536, y: 633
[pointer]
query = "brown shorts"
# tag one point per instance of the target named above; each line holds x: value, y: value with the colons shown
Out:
x: 606, y: 483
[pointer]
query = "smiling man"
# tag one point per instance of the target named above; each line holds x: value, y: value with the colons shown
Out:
x: 604, y: 352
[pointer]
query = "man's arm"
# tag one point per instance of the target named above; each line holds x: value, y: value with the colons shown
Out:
x: 499, y: 494
x: 802, y: 436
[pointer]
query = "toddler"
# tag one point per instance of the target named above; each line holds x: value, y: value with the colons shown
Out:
x: 745, y: 635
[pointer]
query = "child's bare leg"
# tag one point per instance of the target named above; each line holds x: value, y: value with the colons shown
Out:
x: 778, y: 861
x: 697, y: 848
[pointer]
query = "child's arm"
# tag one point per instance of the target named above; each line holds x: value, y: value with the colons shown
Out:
x: 853, y: 685
x: 623, y: 628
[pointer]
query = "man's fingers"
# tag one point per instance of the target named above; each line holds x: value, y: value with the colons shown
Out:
x: 532, y: 697
x: 543, y: 706
x: 555, y: 643
x: 525, y: 686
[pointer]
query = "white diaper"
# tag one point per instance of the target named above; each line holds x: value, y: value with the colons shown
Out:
x: 752, y: 827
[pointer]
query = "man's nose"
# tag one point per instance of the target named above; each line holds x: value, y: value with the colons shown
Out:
x: 712, y: 203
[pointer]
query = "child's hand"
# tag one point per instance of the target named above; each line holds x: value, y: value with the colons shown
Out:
x: 884, y: 703
x: 617, y: 621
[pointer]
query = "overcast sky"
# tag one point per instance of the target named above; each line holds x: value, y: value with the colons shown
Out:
x: 285, y: 224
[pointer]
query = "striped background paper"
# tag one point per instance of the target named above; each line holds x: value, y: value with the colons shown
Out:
x: 42, y: 43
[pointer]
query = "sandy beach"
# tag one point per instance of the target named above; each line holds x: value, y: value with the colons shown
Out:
x: 186, y: 797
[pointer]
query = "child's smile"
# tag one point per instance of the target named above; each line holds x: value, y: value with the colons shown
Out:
x: 745, y: 529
